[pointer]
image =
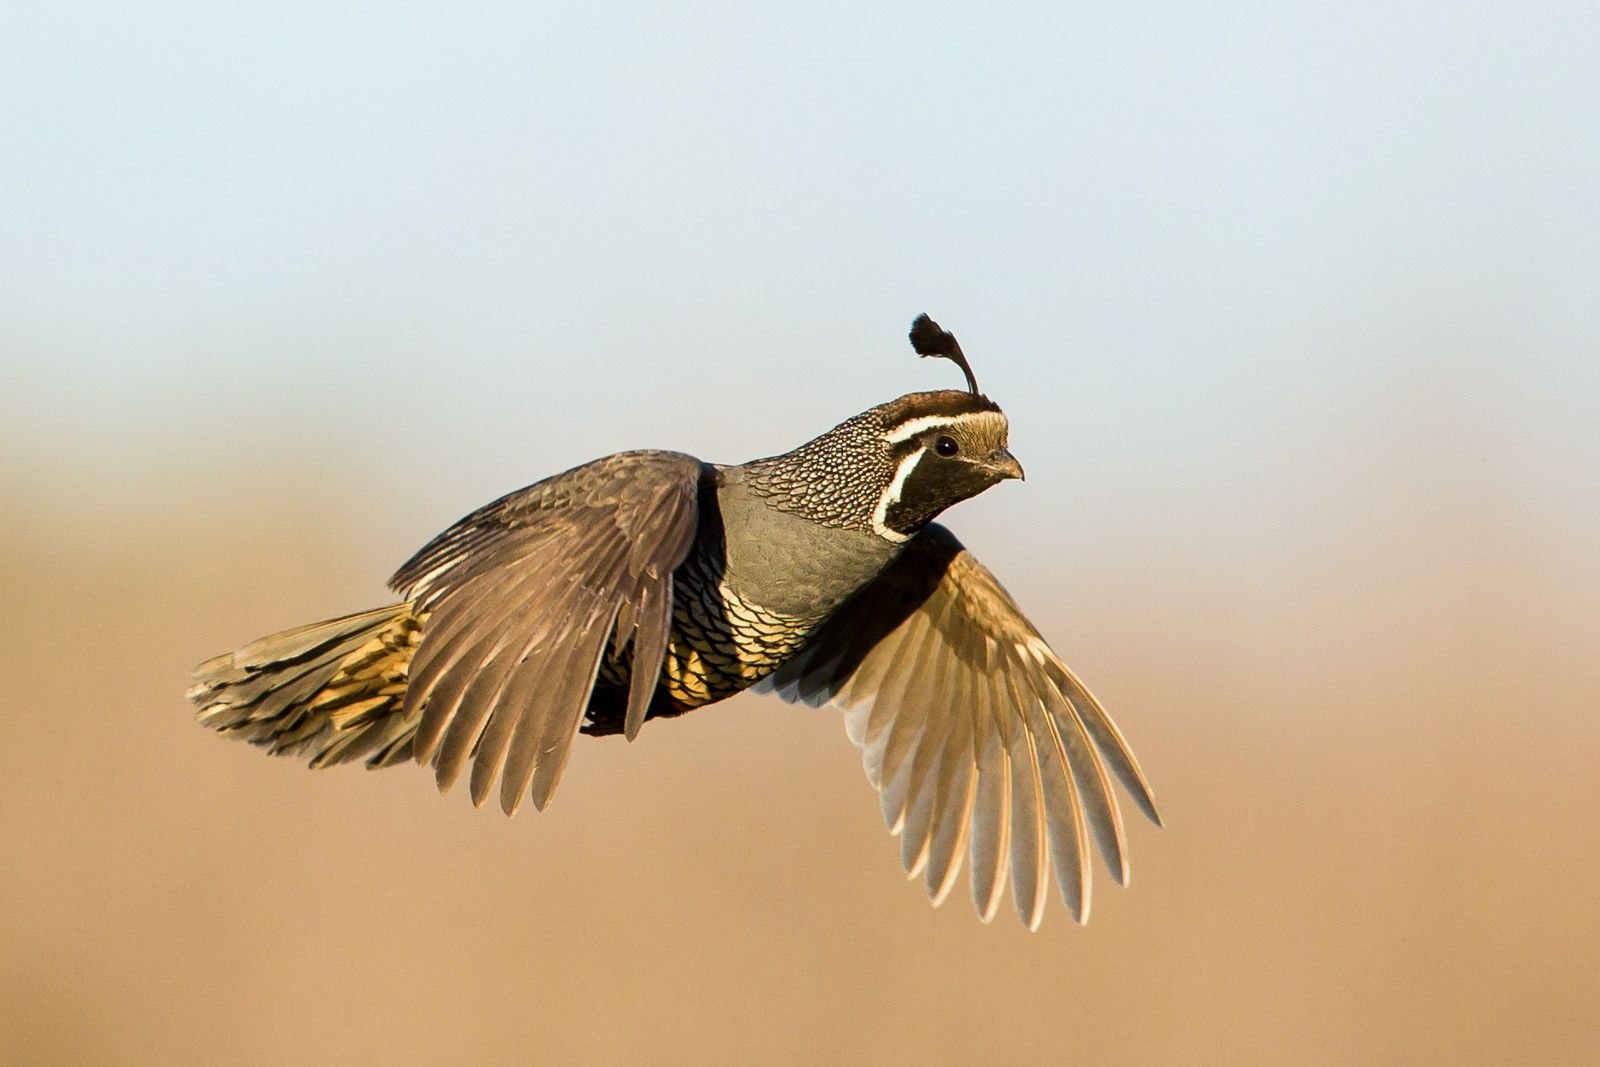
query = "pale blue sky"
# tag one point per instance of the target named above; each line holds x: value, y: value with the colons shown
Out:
x: 1216, y: 261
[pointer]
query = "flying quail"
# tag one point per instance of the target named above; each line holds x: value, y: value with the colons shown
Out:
x: 647, y: 584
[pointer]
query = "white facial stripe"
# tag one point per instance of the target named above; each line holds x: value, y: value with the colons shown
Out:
x: 907, y: 430
x: 891, y: 496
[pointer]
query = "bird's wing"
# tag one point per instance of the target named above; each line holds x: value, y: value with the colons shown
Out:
x: 521, y: 598
x: 973, y: 731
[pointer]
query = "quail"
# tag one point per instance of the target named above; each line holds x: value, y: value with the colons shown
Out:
x: 647, y: 584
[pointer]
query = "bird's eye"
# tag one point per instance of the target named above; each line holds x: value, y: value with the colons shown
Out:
x: 945, y: 445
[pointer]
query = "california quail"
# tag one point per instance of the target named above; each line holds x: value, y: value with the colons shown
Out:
x: 647, y: 584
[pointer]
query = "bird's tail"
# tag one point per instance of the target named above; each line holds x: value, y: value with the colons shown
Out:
x: 335, y: 689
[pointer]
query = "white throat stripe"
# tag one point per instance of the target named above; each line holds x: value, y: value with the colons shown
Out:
x: 891, y: 496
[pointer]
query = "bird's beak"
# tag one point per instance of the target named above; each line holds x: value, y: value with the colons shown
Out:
x: 1003, y: 463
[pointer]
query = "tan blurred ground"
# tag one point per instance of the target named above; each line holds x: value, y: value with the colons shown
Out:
x: 1376, y: 753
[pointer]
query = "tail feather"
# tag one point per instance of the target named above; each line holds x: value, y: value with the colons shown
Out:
x: 335, y: 689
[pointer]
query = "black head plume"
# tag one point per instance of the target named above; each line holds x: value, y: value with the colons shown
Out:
x: 931, y: 339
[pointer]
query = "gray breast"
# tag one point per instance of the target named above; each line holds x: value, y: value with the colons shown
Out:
x: 781, y: 562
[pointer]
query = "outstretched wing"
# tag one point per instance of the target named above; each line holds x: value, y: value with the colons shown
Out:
x: 521, y: 598
x: 973, y: 731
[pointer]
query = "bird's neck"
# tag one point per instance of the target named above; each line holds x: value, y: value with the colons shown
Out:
x: 835, y: 480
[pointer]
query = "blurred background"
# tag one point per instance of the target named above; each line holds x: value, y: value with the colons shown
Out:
x: 1293, y: 309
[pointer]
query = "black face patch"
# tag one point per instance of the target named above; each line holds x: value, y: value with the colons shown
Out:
x: 934, y: 484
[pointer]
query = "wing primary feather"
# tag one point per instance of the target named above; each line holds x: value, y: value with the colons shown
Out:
x: 960, y: 833
x: 476, y: 703
x: 509, y: 707
x: 914, y: 835
x: 922, y: 798
x: 1094, y: 785
x: 954, y: 740
x: 484, y: 733
x: 882, y: 674
x: 460, y: 700
x: 953, y: 810
x: 1108, y: 739
x: 871, y: 748
x: 435, y: 657
x: 933, y: 705
x: 885, y: 670
x: 903, y: 717
x: 649, y: 650
x: 490, y: 755
x: 855, y: 727
x: 543, y: 677
x: 542, y: 737
x: 991, y: 822
x: 516, y: 699
x: 894, y: 796
x: 1069, y: 836
x: 555, y: 747
x: 1030, y: 861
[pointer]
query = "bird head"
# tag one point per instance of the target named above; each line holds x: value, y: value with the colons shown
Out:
x: 943, y: 447
x: 894, y: 467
